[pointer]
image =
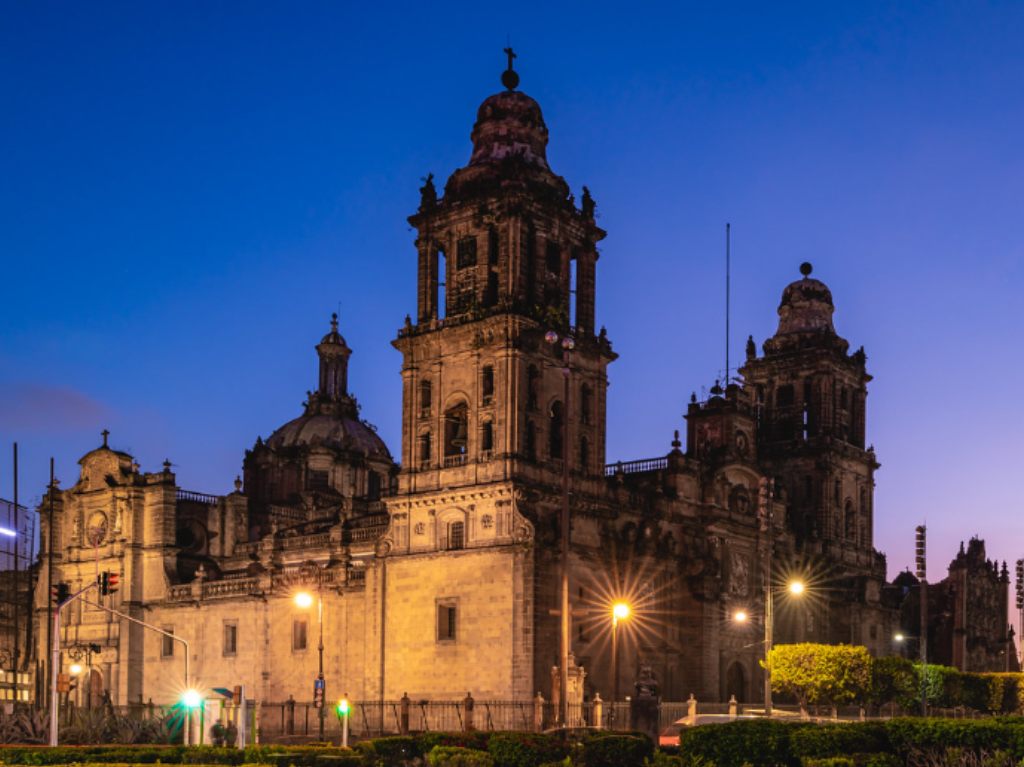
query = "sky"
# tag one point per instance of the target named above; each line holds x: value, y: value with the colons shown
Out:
x: 189, y: 189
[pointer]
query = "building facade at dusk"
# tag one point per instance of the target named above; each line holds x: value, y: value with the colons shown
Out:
x: 439, y: 572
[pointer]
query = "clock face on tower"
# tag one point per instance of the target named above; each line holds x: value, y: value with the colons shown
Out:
x: 96, y: 528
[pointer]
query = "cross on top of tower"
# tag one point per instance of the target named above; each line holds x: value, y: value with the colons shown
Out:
x: 509, y: 78
x: 105, y: 433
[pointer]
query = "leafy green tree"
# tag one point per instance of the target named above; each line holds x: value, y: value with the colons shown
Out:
x: 821, y: 674
x: 894, y: 680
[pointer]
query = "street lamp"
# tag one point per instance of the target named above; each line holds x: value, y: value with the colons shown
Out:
x: 567, y: 344
x: 304, y: 600
x: 796, y: 588
x: 620, y: 612
x: 740, y: 616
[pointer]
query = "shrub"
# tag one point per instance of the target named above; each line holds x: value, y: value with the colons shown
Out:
x: 894, y: 680
x: 936, y: 735
x: 454, y: 756
x: 833, y: 740
x: 475, y: 739
x: 759, y: 742
x: 393, y: 751
x: 817, y: 673
x: 662, y: 759
x: 513, y: 749
x: 616, y: 751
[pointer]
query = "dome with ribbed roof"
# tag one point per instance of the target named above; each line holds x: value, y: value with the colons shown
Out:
x: 806, y: 305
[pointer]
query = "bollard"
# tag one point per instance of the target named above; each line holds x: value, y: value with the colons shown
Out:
x: 538, y: 713
x: 732, y: 706
x: 863, y: 714
x: 598, y: 706
x: 403, y: 715
x: 289, y: 725
x: 691, y: 711
x: 835, y: 713
x: 468, y: 703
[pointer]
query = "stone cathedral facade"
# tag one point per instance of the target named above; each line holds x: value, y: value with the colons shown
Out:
x: 438, y: 566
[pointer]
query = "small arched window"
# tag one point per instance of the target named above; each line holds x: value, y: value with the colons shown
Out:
x: 486, y: 438
x: 425, y: 450
x: 532, y: 386
x: 456, y: 423
x: 556, y: 425
x: 531, y: 441
x: 426, y: 394
x: 586, y: 403
x: 850, y: 520
x: 456, y: 535
x: 487, y: 384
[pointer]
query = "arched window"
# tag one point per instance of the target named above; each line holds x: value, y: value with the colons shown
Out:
x: 556, y: 424
x: 426, y: 394
x: 486, y: 439
x: 456, y: 423
x: 586, y: 403
x: 456, y: 535
x: 531, y: 441
x: 487, y: 384
x: 850, y: 520
x: 532, y: 386
x: 425, y: 450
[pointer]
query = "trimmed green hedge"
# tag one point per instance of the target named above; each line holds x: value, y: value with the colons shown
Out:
x: 763, y: 743
x: 524, y: 749
x: 455, y: 756
x: 615, y: 751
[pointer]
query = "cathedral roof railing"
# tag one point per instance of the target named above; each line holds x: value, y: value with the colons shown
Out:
x: 636, y: 467
x: 191, y: 495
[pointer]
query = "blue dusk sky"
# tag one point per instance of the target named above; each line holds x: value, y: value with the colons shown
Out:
x: 189, y: 189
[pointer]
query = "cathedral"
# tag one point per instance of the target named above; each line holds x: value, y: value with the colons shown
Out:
x: 435, y: 569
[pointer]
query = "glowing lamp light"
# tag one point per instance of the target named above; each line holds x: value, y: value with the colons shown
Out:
x: 620, y: 611
x: 304, y: 599
x: 343, y: 707
x: 191, y: 699
x: 797, y: 588
x: 899, y: 637
x: 740, y: 616
x: 76, y: 668
x: 8, y: 532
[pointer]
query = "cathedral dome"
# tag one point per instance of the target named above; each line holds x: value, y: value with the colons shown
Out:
x: 509, y: 124
x: 806, y: 305
x: 510, y: 143
x: 340, y: 431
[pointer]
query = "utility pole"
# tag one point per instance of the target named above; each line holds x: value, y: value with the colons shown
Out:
x: 922, y: 642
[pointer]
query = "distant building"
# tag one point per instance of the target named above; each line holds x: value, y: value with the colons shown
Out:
x: 17, y: 581
x: 440, y: 576
x: 967, y: 624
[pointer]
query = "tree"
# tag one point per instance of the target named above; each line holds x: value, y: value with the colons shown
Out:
x: 894, y: 680
x: 821, y: 674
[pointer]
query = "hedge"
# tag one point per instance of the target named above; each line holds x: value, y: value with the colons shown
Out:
x: 615, y: 751
x: 764, y: 743
x: 523, y: 749
x: 455, y: 756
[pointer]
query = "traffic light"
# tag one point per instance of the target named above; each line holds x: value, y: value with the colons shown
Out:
x: 920, y: 553
x: 107, y: 582
x: 342, y: 708
x: 60, y: 592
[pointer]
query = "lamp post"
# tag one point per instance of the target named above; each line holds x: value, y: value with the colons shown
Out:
x: 620, y: 612
x: 305, y: 600
x: 567, y: 343
x: 796, y: 588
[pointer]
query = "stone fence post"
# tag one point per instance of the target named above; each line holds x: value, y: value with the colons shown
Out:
x: 691, y: 710
x: 403, y: 714
x: 598, y: 720
x: 538, y: 713
x: 289, y: 724
x: 732, y: 706
x: 468, y: 703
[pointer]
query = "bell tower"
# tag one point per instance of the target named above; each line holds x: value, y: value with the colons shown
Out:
x: 505, y: 258
x: 809, y: 397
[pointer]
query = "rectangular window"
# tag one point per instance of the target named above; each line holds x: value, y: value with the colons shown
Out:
x: 230, y: 638
x: 446, y: 621
x: 466, y: 254
x: 487, y: 384
x: 298, y: 636
x: 457, y: 535
x: 167, y: 643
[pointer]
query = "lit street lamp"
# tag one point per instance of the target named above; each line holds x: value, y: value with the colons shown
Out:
x: 620, y: 612
x: 304, y: 600
x: 796, y: 588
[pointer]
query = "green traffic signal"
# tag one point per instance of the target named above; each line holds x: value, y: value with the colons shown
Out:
x: 342, y: 708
